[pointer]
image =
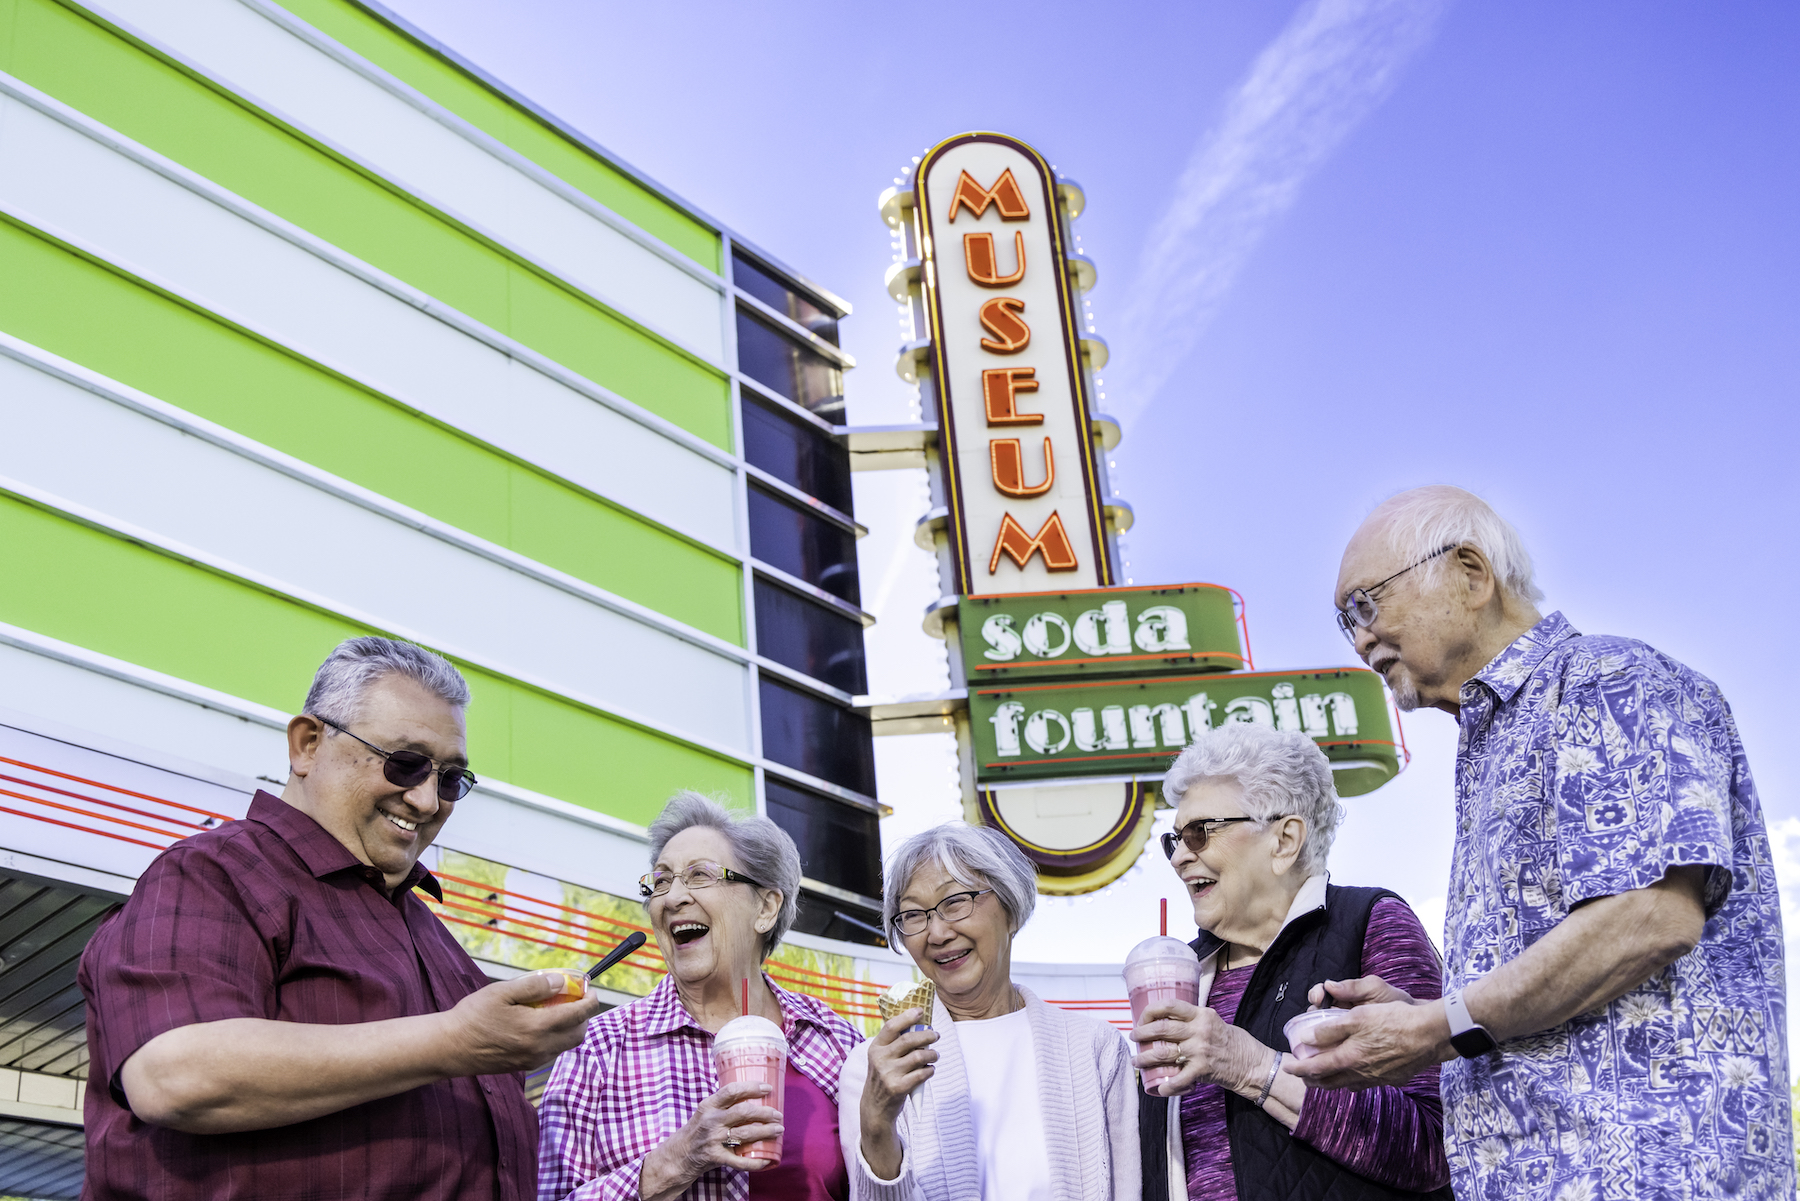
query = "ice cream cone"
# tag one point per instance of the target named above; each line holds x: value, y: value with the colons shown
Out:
x: 905, y: 995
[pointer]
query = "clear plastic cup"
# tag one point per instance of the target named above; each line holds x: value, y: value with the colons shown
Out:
x: 1160, y: 969
x: 1303, y: 1027
x: 752, y: 1050
x: 574, y: 987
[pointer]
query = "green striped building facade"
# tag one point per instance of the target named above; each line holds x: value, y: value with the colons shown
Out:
x: 308, y: 329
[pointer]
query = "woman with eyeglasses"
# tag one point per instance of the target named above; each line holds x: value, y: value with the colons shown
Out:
x: 1001, y: 1097
x: 1255, y: 815
x: 636, y: 1110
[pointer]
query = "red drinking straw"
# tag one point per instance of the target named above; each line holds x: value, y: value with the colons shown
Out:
x: 1165, y: 916
x: 746, y: 983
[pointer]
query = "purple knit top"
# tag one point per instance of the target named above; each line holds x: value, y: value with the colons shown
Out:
x: 1394, y: 1136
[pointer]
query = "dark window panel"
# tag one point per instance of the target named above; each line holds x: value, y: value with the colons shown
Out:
x: 806, y: 636
x: 803, y: 544
x: 784, y: 298
x: 840, y: 845
x: 798, y: 454
x: 810, y: 734
x: 829, y: 917
x: 779, y: 363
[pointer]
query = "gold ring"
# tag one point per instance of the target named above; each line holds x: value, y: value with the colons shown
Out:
x: 733, y: 1143
x: 1181, y: 1060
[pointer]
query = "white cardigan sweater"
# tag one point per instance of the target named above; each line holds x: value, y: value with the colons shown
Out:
x: 1087, y: 1096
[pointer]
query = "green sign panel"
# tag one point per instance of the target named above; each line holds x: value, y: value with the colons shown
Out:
x: 1026, y: 731
x: 1100, y: 632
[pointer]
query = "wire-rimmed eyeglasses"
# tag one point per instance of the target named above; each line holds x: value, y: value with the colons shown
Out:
x: 409, y: 769
x: 693, y: 878
x: 1362, y: 610
x: 953, y: 908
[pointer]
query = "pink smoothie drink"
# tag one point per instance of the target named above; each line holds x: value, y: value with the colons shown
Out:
x: 752, y: 1050
x: 1160, y: 969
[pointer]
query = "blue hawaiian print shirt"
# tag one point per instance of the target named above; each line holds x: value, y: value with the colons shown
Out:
x: 1589, y: 766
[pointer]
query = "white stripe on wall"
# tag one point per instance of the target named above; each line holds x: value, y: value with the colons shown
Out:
x: 81, y: 448
x: 422, y: 148
x: 39, y: 359
x: 87, y: 185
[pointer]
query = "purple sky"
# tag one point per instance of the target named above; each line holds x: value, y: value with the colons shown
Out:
x: 1548, y: 252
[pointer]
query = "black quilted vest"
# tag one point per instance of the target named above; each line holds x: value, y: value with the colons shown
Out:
x: 1270, y: 1164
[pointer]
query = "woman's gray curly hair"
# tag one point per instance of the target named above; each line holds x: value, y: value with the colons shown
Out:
x: 975, y: 857
x: 764, y: 851
x: 1281, y: 772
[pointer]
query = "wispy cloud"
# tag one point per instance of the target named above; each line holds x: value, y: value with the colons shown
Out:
x: 1333, y: 63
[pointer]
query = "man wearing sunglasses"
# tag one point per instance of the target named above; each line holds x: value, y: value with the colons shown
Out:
x: 275, y: 1012
x: 1614, y: 1018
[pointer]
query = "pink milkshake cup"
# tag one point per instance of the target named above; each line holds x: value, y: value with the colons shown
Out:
x: 752, y: 1050
x: 1160, y: 969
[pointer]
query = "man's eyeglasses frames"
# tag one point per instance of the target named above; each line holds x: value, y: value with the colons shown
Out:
x: 408, y: 769
x: 1362, y: 610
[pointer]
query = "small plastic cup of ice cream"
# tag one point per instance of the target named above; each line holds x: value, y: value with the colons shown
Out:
x: 574, y: 987
x: 752, y: 1050
x: 1302, y: 1028
x: 1160, y: 969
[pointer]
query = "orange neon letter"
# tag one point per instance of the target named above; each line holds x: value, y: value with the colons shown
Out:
x: 1000, y: 389
x: 979, y: 258
x: 1005, y: 193
x: 1000, y: 317
x: 1007, y: 458
x: 1019, y: 546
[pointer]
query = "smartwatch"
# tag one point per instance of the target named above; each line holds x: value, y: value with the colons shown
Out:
x: 1469, y: 1038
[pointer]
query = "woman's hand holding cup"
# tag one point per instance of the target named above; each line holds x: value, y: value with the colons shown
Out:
x: 900, y: 1059
x: 734, y: 1116
x: 1206, y: 1049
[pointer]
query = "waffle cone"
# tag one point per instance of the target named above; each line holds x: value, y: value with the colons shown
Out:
x: 907, y: 994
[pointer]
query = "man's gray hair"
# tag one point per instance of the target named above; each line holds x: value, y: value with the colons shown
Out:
x: 1282, y: 773
x: 344, y: 678
x: 1419, y: 521
x: 975, y: 857
x: 764, y: 851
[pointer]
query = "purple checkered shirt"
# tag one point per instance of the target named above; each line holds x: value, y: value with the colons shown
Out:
x: 272, y: 918
x: 636, y: 1079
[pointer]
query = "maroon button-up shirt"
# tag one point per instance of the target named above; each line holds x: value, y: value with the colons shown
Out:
x: 271, y: 917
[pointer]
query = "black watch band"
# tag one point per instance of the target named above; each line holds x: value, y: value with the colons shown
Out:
x: 1466, y: 1036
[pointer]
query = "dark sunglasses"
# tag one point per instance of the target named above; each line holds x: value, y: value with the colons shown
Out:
x: 1195, y: 834
x: 409, y: 769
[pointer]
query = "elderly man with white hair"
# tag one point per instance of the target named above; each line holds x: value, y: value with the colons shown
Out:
x: 1615, y: 1019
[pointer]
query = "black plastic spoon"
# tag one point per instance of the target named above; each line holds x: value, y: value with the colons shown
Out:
x: 631, y: 943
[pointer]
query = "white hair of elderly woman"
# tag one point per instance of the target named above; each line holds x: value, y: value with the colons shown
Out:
x: 975, y: 857
x: 1282, y: 772
x: 764, y: 851
x: 1421, y: 521
x: 356, y: 663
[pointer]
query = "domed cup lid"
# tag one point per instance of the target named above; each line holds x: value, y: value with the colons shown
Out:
x: 749, y: 1030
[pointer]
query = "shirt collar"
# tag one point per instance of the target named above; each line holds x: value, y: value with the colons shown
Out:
x: 661, y: 1011
x: 323, y: 854
x: 1513, y: 666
